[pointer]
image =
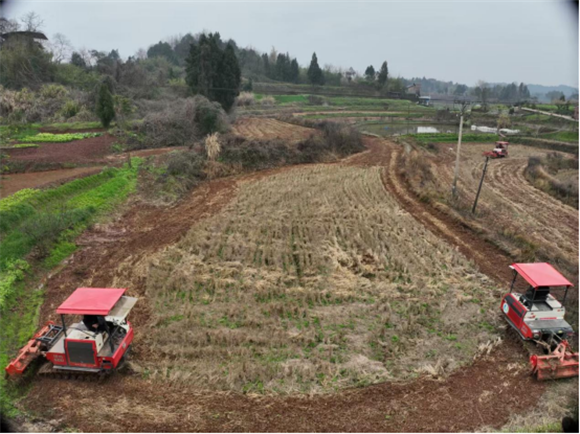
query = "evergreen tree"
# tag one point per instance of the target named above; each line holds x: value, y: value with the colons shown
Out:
x: 77, y: 60
x: 105, y: 107
x: 162, y: 49
x: 266, y: 63
x: 315, y: 75
x: 228, y: 79
x: 383, y: 74
x: 294, y: 71
x: 370, y: 73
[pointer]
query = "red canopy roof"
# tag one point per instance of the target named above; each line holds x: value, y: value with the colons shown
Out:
x: 541, y: 274
x: 91, y: 301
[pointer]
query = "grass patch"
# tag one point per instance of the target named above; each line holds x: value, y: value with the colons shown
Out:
x: 563, y: 136
x: 451, y: 137
x: 23, y: 146
x: 58, y: 138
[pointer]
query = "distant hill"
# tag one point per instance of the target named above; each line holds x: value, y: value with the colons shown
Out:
x: 540, y: 90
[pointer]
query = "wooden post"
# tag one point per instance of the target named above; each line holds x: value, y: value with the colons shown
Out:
x: 480, y: 184
x: 454, y: 188
x: 129, y: 160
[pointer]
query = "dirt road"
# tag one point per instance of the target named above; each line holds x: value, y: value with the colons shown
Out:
x: 482, y: 394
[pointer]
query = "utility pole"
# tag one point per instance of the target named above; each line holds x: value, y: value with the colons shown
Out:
x: 454, y: 187
x: 480, y: 185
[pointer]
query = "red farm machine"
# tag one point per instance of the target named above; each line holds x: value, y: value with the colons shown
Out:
x: 94, y: 346
x: 537, y: 316
x: 500, y: 150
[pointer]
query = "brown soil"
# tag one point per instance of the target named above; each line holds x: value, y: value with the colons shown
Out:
x: 485, y: 393
x: 79, y: 151
x: 268, y: 129
x: 10, y: 184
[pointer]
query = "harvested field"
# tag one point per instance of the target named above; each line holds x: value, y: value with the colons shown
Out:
x: 121, y: 254
x: 267, y: 129
x: 314, y: 295
x: 508, y: 197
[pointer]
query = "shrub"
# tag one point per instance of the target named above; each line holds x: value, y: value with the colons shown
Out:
x: 51, y: 91
x: 105, y: 108
x: 69, y: 109
x: 315, y: 100
x: 189, y: 166
x: 268, y: 101
x: 212, y: 146
x: 246, y: 99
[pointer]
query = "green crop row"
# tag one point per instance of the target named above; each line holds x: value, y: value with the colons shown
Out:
x: 57, y: 138
x: 451, y: 137
x: 44, y: 224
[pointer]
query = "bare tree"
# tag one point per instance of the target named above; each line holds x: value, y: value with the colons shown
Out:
x: 141, y: 54
x: 31, y: 22
x: 483, y: 92
x: 87, y: 57
x: 7, y: 26
x: 60, y: 47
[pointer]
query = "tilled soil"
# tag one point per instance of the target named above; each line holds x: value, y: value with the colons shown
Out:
x: 10, y: 184
x: 78, y: 151
x: 485, y: 393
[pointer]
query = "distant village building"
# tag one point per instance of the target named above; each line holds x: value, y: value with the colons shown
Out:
x: 414, y: 89
x: 25, y: 35
x: 425, y: 100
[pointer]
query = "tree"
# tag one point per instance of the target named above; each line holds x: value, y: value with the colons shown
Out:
x: 482, y: 92
x: 162, y: 49
x: 294, y: 71
x: 315, y: 75
x: 105, y: 106
x: 31, y: 22
x: 25, y: 63
x: 77, y: 60
x: 60, y: 47
x: 554, y: 95
x: 370, y: 73
x: 229, y: 78
x: 460, y: 90
x: 383, y: 74
x: 213, y: 72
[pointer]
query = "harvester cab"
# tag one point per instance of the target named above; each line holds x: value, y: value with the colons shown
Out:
x: 537, y: 315
x: 95, y: 345
x: 500, y: 150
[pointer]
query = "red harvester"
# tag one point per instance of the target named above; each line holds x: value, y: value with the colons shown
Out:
x: 500, y: 150
x: 538, y: 316
x: 95, y: 345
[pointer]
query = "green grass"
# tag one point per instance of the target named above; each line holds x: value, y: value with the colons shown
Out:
x: 363, y: 115
x: 58, y: 138
x: 451, y: 137
x: 22, y: 146
x: 563, y: 136
x: 83, y: 201
x: 73, y: 125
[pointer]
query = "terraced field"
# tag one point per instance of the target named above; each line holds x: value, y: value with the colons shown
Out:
x: 268, y: 129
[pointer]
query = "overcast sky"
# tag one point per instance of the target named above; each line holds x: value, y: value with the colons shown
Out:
x: 497, y: 41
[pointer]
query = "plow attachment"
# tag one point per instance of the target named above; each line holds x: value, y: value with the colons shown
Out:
x: 33, y: 349
x: 562, y: 363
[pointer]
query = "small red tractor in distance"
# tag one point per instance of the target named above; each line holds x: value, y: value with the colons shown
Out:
x: 538, y: 316
x: 95, y: 345
x: 500, y: 150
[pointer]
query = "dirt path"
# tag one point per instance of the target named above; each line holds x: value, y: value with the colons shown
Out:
x: 485, y: 393
x: 10, y: 184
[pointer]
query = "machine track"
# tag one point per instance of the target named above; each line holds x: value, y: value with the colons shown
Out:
x: 47, y: 370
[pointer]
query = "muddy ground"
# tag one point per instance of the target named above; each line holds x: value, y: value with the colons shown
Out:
x: 485, y: 393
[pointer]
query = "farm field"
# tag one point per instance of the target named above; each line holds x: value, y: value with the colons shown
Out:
x: 315, y: 296
x: 269, y: 129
